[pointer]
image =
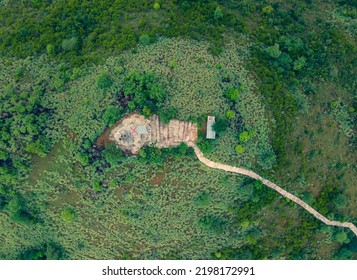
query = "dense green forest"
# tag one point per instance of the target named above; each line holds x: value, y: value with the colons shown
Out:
x: 278, y: 75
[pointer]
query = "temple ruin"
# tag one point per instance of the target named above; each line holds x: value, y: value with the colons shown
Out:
x: 134, y: 131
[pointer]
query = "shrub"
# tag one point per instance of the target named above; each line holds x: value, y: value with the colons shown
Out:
x: 4, y: 155
x: 83, y: 158
x: 206, y: 146
x: 104, y: 81
x: 215, y: 49
x: 147, y: 112
x: 267, y: 10
x: 156, y: 6
x: 267, y: 159
x: 49, y: 251
x: 50, y: 48
x: 220, y: 126
x: 68, y: 215
x: 342, y: 237
x: 239, y: 149
x: 131, y: 105
x: 203, y: 200
x: 273, y: 51
x: 340, y: 201
x: 112, y: 154
x: 218, y: 13
x: 245, y: 136
x: 146, y: 90
x: 70, y: 44
x: 230, y: 114
x: 142, y: 154
x: 182, y: 149
x: 343, y: 118
x: 144, y: 39
x: 167, y: 114
x: 212, y: 224
x: 299, y: 63
x: 172, y: 64
x: 15, y: 205
x: 154, y: 155
x: 232, y: 94
x: 97, y: 186
x: 112, y: 114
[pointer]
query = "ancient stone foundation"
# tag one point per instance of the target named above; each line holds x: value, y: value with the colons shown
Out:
x: 134, y: 131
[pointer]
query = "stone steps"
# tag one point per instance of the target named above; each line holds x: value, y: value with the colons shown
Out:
x: 188, y: 132
x: 151, y: 132
x: 183, y: 133
x: 158, y: 130
x: 172, y: 134
x: 149, y: 135
x: 168, y: 134
x: 160, y: 138
x: 163, y: 134
x: 177, y: 131
x: 167, y: 138
x: 193, y: 132
x: 180, y: 131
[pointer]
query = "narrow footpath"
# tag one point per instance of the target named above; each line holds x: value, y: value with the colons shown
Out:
x: 271, y: 185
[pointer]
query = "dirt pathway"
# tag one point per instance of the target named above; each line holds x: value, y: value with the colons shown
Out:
x: 271, y: 185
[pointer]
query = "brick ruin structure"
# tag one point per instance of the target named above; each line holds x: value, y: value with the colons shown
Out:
x: 134, y: 131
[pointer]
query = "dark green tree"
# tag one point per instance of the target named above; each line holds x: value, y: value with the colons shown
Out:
x: 104, y: 81
x: 220, y: 126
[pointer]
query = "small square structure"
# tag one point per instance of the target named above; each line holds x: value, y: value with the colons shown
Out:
x: 211, y: 134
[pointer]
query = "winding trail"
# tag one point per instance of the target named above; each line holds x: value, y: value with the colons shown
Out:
x: 271, y: 185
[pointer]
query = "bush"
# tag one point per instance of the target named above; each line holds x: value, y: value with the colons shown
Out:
x: 342, y: 238
x: 172, y: 64
x: 267, y: 10
x: 144, y: 39
x: 203, y: 200
x: 212, y: 224
x: 218, y: 13
x: 230, y: 114
x: 239, y: 149
x: 68, y: 215
x: 146, y: 90
x: 299, y: 63
x: 104, y: 81
x: 70, y: 44
x: 113, y: 154
x: 97, y: 186
x: 267, y: 159
x: 167, y: 114
x: 232, y: 94
x: 83, y: 158
x: 49, y: 251
x: 245, y: 136
x: 112, y: 114
x: 131, y: 105
x: 156, y: 6
x: 220, y: 126
x: 154, y: 155
x: 206, y: 146
x: 182, y: 149
x: 273, y: 51
x: 51, y: 51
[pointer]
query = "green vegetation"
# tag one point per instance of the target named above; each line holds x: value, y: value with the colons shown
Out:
x: 67, y: 215
x: 277, y: 75
x: 232, y: 94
